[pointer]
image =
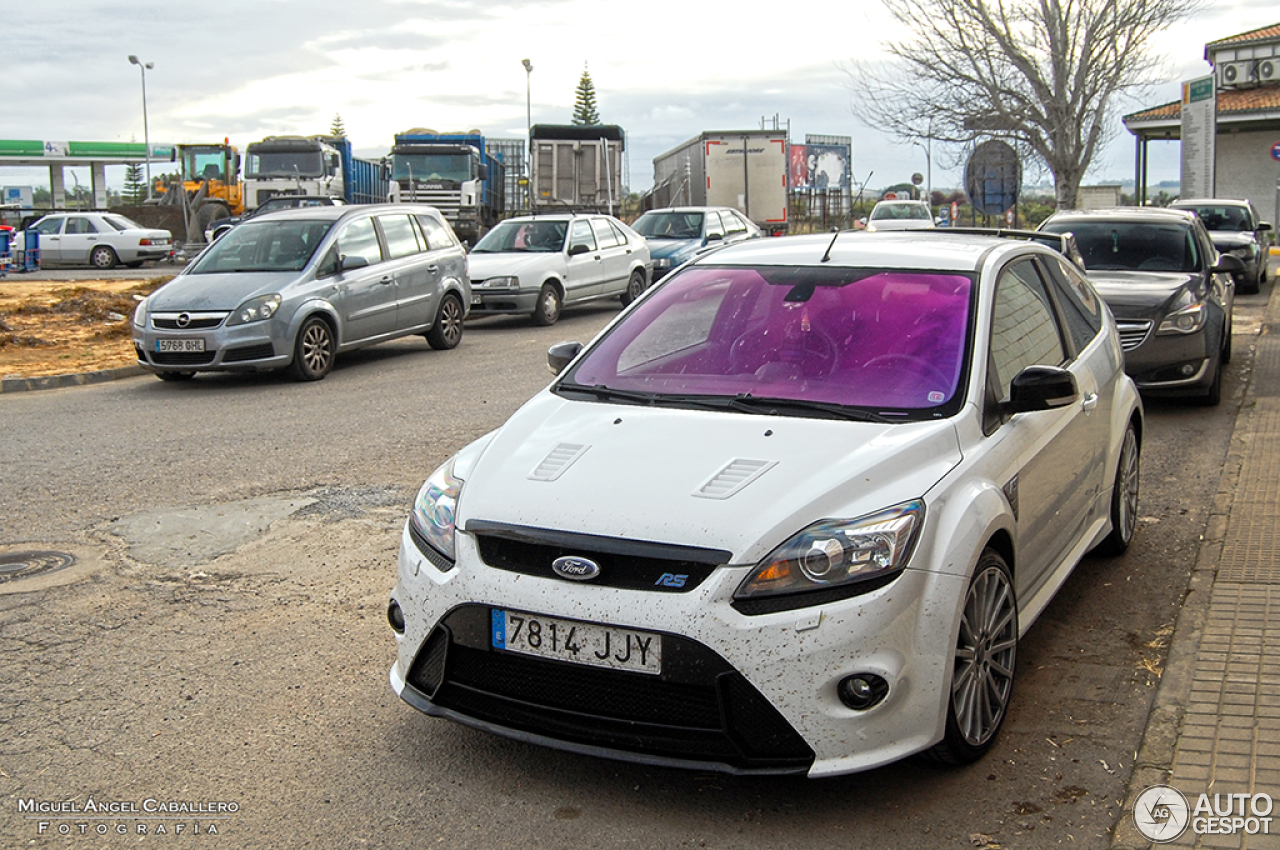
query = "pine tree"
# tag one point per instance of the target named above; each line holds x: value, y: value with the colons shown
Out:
x: 337, y: 128
x: 584, y: 105
x: 135, y: 184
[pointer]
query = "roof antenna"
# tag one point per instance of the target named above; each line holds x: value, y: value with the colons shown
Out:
x: 826, y: 256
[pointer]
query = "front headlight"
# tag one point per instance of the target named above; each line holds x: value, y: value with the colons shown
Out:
x: 434, y: 511
x: 140, y: 314
x: 255, y: 310
x: 836, y: 553
x: 662, y: 263
x: 1187, y: 320
x: 503, y: 282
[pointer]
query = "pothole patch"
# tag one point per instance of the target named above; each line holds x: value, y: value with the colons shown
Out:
x: 16, y: 566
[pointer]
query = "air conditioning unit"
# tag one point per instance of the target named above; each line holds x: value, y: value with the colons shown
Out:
x: 1235, y: 73
x: 1269, y: 70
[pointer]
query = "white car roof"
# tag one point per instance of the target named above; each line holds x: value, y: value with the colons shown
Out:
x: 924, y: 250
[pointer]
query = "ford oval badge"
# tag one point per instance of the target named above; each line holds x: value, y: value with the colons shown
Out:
x: 575, y: 569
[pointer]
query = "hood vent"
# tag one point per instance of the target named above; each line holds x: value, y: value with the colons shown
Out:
x: 732, y: 477
x: 557, y: 461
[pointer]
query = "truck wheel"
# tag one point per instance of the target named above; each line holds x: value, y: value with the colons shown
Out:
x: 446, y: 333
x: 548, y: 309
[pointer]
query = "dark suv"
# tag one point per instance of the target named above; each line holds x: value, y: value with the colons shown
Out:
x: 1235, y: 229
x: 1170, y: 290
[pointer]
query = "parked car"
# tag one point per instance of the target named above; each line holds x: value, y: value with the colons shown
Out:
x: 1236, y: 229
x: 678, y: 234
x: 537, y: 265
x: 1171, y: 293
x: 99, y: 240
x: 293, y: 289
x: 274, y: 204
x: 900, y: 215
x: 789, y: 513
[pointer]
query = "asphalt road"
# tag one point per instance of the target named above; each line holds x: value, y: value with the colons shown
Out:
x: 203, y: 653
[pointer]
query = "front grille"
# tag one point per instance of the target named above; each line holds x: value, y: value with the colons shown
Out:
x: 186, y: 358
x: 628, y: 564
x: 1132, y: 333
x: 192, y: 322
x: 249, y: 352
x: 699, y: 710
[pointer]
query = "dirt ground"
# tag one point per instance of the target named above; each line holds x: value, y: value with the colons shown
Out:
x: 58, y: 327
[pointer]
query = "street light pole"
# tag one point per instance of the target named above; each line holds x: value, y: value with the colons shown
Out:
x: 528, y: 129
x: 146, y: 131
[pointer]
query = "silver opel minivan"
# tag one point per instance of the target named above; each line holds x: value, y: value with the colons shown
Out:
x: 293, y: 289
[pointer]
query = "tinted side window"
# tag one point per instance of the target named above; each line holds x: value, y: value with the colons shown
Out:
x: 358, y: 239
x: 1081, y: 308
x: 402, y: 237
x: 581, y: 235
x: 438, y: 236
x: 605, y: 237
x: 1023, y: 330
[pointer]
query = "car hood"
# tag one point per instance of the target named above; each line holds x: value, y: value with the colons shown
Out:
x: 1133, y: 294
x: 1225, y: 240
x: 481, y: 266
x: 226, y: 291
x: 738, y: 482
x: 660, y: 248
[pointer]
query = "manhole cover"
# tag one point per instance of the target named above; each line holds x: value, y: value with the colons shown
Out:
x: 19, y: 565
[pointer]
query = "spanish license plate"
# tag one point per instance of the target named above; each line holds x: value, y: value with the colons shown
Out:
x: 576, y: 642
x: 179, y: 346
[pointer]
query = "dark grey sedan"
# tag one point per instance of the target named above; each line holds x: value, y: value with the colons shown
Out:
x: 293, y: 289
x: 1169, y: 289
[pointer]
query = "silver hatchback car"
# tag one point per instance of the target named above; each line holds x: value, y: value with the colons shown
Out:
x: 293, y: 289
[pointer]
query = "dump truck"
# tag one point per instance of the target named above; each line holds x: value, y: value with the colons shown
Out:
x: 320, y: 165
x: 577, y: 167
x: 455, y: 173
x: 743, y: 169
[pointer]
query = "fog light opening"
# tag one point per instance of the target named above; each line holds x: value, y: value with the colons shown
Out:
x: 395, y: 617
x: 862, y: 690
x: 1189, y: 369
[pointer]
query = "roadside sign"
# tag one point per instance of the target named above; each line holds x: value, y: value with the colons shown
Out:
x: 1008, y: 216
x: 890, y: 196
x: 955, y: 210
x: 1275, y: 151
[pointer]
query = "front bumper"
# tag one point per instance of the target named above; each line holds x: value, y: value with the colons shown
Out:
x: 744, y: 694
x: 1174, y: 364
x: 250, y: 347
x: 503, y: 301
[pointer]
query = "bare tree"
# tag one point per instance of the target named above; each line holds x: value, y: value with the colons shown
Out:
x: 1042, y: 75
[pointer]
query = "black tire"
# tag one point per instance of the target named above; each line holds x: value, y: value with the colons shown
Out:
x: 446, y: 333
x: 103, y: 257
x: 175, y: 376
x: 209, y: 213
x: 1124, y: 496
x: 313, y: 350
x: 635, y: 288
x: 985, y: 661
x: 547, y: 311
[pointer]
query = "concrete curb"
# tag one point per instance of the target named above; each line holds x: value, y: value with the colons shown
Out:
x: 53, y: 382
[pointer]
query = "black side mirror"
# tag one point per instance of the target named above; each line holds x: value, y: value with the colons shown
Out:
x: 561, y: 355
x: 1264, y: 225
x: 1228, y: 264
x: 717, y: 237
x: 580, y: 248
x: 1041, y: 388
x: 484, y: 171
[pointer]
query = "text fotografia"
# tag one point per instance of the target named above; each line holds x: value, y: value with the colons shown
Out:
x: 1162, y: 813
x: 151, y: 816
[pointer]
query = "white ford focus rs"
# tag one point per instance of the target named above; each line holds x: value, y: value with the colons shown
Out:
x: 789, y: 513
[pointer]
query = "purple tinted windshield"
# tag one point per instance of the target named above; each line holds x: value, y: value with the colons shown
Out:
x: 857, y: 337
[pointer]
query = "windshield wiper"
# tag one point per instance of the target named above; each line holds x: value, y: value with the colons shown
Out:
x: 742, y: 403
x: 604, y: 393
x: 748, y: 403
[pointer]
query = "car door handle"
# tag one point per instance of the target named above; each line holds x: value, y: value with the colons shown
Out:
x: 433, y: 268
x: 386, y: 279
x: 1089, y: 402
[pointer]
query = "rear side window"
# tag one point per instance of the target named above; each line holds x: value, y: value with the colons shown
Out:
x: 1081, y: 307
x: 714, y: 227
x: 605, y: 236
x: 438, y: 236
x: 80, y: 225
x: 732, y: 223
x: 402, y: 237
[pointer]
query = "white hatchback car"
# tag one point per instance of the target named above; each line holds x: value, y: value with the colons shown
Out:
x: 100, y: 240
x: 537, y: 265
x: 789, y: 513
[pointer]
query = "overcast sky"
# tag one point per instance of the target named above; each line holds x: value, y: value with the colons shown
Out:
x: 664, y: 70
